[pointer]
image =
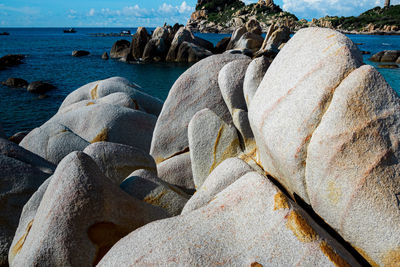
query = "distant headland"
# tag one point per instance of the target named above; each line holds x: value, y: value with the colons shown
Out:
x: 224, y: 16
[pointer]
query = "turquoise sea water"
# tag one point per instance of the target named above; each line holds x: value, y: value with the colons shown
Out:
x: 49, y: 59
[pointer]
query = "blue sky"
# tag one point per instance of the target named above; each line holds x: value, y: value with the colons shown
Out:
x: 108, y: 13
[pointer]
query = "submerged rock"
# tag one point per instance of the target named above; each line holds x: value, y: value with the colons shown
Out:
x: 16, y: 83
x: 80, y: 53
x: 39, y: 87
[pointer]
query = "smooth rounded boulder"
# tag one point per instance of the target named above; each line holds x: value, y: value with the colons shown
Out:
x: 81, y: 216
x: 195, y: 89
x: 253, y: 77
x: 211, y: 141
x: 117, y: 161
x: 292, y: 98
x: 102, y: 88
x: 250, y: 223
x: 353, y: 169
x: 120, y: 48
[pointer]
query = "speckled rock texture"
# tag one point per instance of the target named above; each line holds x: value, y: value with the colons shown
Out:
x: 254, y: 75
x: 211, y: 141
x: 21, y: 174
x: 234, y: 229
x: 195, y: 89
x: 117, y: 161
x: 82, y: 214
x: 292, y: 98
x: 102, y: 88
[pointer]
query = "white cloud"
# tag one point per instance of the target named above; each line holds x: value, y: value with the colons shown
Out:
x: 91, y: 12
x: 319, y: 8
x: 185, y: 8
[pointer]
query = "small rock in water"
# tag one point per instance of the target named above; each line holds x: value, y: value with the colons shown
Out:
x: 16, y: 83
x: 104, y: 56
x: 365, y: 52
x: 388, y: 66
x: 39, y: 87
x: 80, y: 53
x: 10, y: 61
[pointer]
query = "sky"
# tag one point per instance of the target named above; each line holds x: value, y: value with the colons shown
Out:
x: 148, y: 13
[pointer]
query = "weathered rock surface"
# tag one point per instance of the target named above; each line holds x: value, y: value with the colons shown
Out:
x: 67, y: 231
x: 155, y: 50
x: 189, y: 52
x: 16, y: 83
x: 120, y: 49
x: 90, y: 124
x: 236, y: 35
x: 117, y: 161
x: 220, y: 178
x: 21, y: 174
x: 249, y: 41
x: 99, y: 89
x: 253, y: 26
x: 221, y: 46
x: 353, y: 169
x: 196, y: 88
x: 254, y: 75
x: 39, y: 87
x: 53, y: 141
x: 211, y: 141
x: 276, y: 39
x: 183, y: 35
x: 155, y: 192
x: 292, y: 98
x: 80, y: 53
x: 177, y: 171
x: 139, y: 41
x: 277, y: 233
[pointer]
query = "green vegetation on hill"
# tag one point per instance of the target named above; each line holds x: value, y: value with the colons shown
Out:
x: 377, y: 16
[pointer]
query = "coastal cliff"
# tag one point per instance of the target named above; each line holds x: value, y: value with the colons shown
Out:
x: 219, y: 16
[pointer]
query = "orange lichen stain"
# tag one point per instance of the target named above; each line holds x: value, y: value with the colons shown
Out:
x: 255, y: 264
x: 392, y: 258
x: 300, y: 228
x: 215, y: 148
x: 280, y: 201
x: 104, y: 235
x: 330, y: 36
x: 93, y: 92
x: 367, y: 257
x: 136, y: 104
x: 102, y: 136
x: 156, y: 200
x: 17, y: 248
x: 334, y: 192
x: 90, y: 103
x: 332, y: 256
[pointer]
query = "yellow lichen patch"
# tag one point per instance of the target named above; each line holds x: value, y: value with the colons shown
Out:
x: 93, y: 92
x: 90, y: 103
x: 255, y: 264
x: 17, y: 248
x: 300, y: 228
x: 215, y: 148
x: 392, y: 258
x: 102, y: 136
x: 104, y: 235
x: 280, y: 201
x: 156, y: 200
x: 334, y: 192
x: 332, y: 256
x: 367, y: 257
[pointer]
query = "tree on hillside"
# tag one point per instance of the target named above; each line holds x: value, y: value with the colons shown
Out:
x: 387, y: 3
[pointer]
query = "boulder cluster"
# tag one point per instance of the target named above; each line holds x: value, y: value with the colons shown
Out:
x: 387, y: 56
x: 171, y: 44
x: 294, y: 162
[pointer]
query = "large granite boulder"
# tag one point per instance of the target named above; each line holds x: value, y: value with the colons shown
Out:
x: 155, y: 50
x: 353, y: 169
x: 139, y: 41
x: 81, y: 216
x: 292, y: 98
x: 253, y: 26
x: 155, y: 191
x: 225, y: 174
x: 102, y: 88
x: 386, y: 56
x: 189, y: 52
x: 120, y: 49
x: 117, y: 161
x: 21, y: 174
x: 74, y: 130
x: 211, y: 141
x: 178, y: 172
x: 254, y: 75
x: 160, y: 33
x: 250, y: 41
x: 250, y: 223
x: 221, y: 46
x: 183, y: 35
x: 195, y: 89
x: 276, y: 39
x: 236, y: 35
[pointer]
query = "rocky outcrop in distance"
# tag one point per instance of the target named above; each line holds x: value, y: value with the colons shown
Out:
x: 249, y: 162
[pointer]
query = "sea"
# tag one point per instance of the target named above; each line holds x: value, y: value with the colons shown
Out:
x: 49, y: 59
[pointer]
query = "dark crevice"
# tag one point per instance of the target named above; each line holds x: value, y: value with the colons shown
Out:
x: 307, y: 208
x: 280, y: 186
